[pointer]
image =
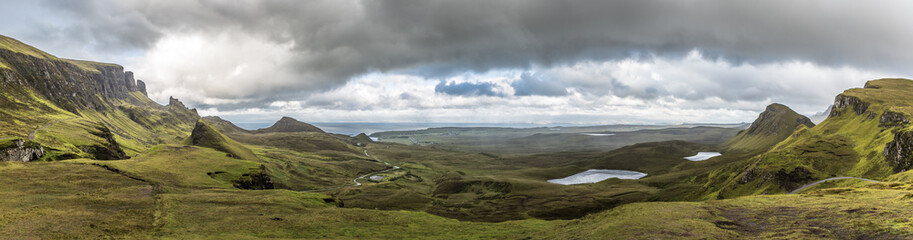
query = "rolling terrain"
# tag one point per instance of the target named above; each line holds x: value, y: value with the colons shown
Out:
x: 86, y: 154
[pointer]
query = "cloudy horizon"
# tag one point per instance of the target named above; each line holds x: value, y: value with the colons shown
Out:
x: 542, y: 62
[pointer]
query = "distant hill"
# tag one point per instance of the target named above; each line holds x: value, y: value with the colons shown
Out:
x: 773, y: 125
x: 223, y: 125
x: 287, y: 124
x: 819, y: 117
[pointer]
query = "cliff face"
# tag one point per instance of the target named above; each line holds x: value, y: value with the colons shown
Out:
x: 867, y: 134
x: 99, y: 110
x: 20, y: 151
x: 71, y: 86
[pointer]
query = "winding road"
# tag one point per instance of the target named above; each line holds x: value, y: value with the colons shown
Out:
x: 803, y: 187
x: 361, y: 177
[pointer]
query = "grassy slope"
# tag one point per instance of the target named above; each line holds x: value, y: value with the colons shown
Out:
x: 16, y: 46
x: 24, y: 111
x: 68, y: 201
x: 849, y: 144
x: 876, y: 211
x: 183, y: 166
x: 205, y: 135
x: 773, y: 125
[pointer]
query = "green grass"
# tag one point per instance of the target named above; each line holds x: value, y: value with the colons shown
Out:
x: 309, y: 171
x: 205, y: 135
x: 879, y: 212
x: 69, y: 201
x: 16, y: 46
x: 183, y: 166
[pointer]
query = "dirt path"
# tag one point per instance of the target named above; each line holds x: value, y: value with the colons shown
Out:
x: 803, y: 187
x: 355, y: 181
x: 32, y: 134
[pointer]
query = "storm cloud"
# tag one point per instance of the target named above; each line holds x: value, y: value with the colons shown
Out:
x: 288, y: 50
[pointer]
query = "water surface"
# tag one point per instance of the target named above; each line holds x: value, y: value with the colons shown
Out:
x: 597, y: 175
x: 701, y: 156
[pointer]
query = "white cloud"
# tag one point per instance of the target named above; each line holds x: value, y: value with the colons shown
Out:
x: 225, y: 68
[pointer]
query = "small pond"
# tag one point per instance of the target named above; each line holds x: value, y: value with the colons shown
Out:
x: 597, y: 175
x: 701, y: 156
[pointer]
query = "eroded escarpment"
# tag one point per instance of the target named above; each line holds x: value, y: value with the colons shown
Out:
x: 899, y: 152
x: 19, y: 150
x: 844, y: 101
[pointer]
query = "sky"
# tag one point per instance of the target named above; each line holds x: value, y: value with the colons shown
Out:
x: 482, y: 61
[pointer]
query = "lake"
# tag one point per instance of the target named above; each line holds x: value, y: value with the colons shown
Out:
x: 701, y: 156
x: 597, y: 175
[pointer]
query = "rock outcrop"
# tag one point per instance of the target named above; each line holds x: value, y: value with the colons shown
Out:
x: 899, y: 152
x: 141, y: 87
x: 21, y: 151
x: 257, y: 180
x: 129, y: 81
x: 842, y: 102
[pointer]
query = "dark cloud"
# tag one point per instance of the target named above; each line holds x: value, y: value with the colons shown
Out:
x: 467, y: 89
x: 529, y: 85
x: 334, y: 40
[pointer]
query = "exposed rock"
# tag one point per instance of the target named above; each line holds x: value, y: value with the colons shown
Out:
x: 108, y: 151
x: 899, y: 152
x: 843, y: 101
x: 870, y: 84
x: 794, y: 179
x: 141, y: 87
x: 255, y: 181
x: 129, y: 81
x: 893, y: 119
x: 72, y: 87
x: 21, y: 151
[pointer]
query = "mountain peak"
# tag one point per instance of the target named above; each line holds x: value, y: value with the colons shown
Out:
x: 288, y: 124
x: 773, y: 125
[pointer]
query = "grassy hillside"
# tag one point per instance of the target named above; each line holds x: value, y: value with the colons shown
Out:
x: 874, y: 211
x: 850, y: 142
x: 206, y: 136
x: 772, y: 126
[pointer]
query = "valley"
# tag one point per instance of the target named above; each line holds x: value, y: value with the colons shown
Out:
x: 85, y: 153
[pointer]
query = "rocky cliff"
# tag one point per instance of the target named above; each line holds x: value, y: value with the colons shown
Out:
x: 99, y: 110
x: 72, y: 84
x: 20, y: 151
x: 867, y: 134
